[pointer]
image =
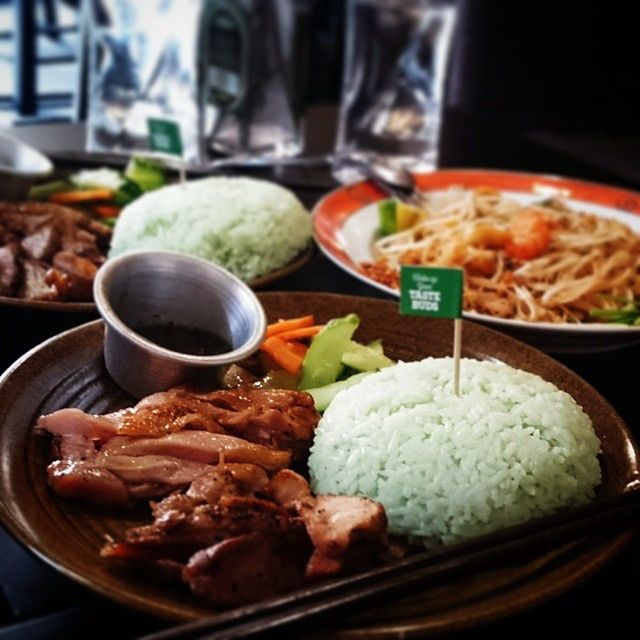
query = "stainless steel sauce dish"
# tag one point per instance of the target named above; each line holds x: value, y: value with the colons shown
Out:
x: 165, y: 287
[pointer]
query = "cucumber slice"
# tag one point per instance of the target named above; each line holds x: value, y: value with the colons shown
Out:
x: 364, y: 358
x: 323, y: 362
x: 322, y: 396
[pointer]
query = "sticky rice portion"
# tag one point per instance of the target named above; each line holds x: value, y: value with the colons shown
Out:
x: 250, y: 227
x: 511, y: 447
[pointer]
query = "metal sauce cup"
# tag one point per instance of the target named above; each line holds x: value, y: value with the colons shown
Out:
x: 166, y: 287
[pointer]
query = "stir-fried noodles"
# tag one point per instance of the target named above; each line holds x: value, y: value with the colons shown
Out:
x: 540, y: 263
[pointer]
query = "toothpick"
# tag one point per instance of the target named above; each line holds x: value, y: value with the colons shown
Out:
x: 457, y: 348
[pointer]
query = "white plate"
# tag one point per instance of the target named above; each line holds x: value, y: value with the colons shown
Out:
x: 346, y: 221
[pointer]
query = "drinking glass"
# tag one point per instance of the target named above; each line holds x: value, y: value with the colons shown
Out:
x: 229, y: 73
x: 252, y: 78
x: 393, y: 84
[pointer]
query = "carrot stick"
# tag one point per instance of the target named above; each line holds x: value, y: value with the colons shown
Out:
x: 70, y: 197
x: 289, y: 325
x: 305, y: 332
x: 283, y: 354
x: 107, y: 211
x: 298, y: 348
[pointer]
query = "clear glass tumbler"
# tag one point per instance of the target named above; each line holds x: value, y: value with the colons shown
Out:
x: 253, y: 70
x: 396, y: 60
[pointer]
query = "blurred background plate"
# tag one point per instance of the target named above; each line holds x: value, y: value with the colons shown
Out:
x: 346, y: 220
x: 61, y: 307
x: 58, y: 307
x: 68, y: 370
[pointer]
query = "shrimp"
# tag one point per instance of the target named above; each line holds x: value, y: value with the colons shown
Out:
x: 530, y: 235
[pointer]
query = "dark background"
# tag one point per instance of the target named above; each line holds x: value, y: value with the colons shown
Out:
x: 538, y: 86
x: 557, y: 81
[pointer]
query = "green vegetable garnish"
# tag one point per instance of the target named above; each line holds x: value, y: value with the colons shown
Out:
x: 376, y: 345
x: 627, y: 313
x: 322, y: 396
x: 364, y: 358
x: 387, y: 216
x: 323, y: 362
x: 43, y: 191
x: 146, y: 173
x: 394, y: 216
x: 127, y: 192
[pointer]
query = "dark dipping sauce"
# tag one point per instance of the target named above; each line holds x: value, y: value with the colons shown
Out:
x: 189, y: 340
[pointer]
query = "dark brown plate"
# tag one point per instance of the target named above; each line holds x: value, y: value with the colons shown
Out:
x: 88, y: 307
x: 68, y: 371
x: 297, y: 263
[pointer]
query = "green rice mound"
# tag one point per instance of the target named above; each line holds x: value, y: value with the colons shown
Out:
x: 250, y: 227
x: 509, y: 448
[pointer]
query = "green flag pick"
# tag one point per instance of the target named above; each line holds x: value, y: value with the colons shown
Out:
x: 164, y: 137
x: 435, y: 292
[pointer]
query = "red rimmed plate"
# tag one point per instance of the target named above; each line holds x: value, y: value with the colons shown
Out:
x: 345, y: 222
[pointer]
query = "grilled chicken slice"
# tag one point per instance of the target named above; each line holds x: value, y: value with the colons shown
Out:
x: 72, y: 275
x: 42, y: 243
x: 34, y: 282
x: 132, y: 468
x: 118, y: 480
x: 66, y: 422
x: 58, y: 249
x: 27, y: 217
x: 279, y: 419
x: 9, y: 269
x: 348, y: 533
x: 198, y: 446
x: 155, y: 415
x: 248, y: 568
x: 88, y: 482
x: 236, y: 547
x: 227, y: 480
x: 287, y: 487
x: 181, y: 527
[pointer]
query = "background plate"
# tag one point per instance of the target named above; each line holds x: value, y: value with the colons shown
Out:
x: 89, y: 307
x: 68, y: 370
x: 346, y: 220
